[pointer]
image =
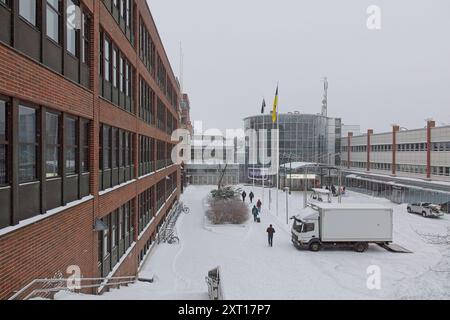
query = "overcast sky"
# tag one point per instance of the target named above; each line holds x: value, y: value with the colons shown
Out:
x: 235, y: 51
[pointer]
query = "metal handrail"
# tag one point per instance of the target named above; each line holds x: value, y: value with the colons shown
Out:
x: 131, y: 279
x: 34, y: 292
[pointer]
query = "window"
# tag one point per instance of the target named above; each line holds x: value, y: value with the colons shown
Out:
x: 71, y: 145
x: 107, y: 62
x: 114, y: 67
x: 27, y: 10
x: 128, y: 13
x: 114, y: 237
x: 53, y: 17
x: 121, y: 75
x: 127, y: 79
x: 106, y: 147
x: 308, y: 227
x: 115, y: 147
x: 85, y: 130
x: 72, y: 33
x: 121, y: 223
x: 27, y: 144
x: 3, y: 143
x: 52, y: 145
x: 85, y: 30
x: 106, y: 243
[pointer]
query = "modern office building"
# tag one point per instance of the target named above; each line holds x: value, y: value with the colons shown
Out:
x: 403, y: 165
x: 213, y: 158
x: 303, y: 137
x: 86, y: 113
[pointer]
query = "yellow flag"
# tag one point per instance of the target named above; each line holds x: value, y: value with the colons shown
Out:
x: 275, y: 108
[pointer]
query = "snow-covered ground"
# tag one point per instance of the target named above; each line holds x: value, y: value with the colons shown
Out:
x: 252, y: 270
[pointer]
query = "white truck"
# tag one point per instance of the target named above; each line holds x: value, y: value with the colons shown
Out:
x: 354, y: 225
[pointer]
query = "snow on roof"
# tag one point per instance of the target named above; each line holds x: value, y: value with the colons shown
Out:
x: 307, y: 214
x: 297, y: 165
x: 364, y: 206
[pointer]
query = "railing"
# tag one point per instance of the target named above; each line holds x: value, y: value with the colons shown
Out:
x: 48, y: 288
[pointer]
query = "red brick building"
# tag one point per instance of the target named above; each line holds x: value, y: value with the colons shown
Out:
x: 87, y: 105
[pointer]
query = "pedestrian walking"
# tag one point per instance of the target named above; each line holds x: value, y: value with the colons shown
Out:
x: 255, y: 213
x: 244, y: 195
x: 259, y: 205
x: 251, y: 196
x: 270, y: 231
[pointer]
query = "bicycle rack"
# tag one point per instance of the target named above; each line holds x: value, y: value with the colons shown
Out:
x: 168, y: 232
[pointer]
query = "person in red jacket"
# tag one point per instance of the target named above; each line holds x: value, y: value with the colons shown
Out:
x: 270, y: 231
x: 259, y: 205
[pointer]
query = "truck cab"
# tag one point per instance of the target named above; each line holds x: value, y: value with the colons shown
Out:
x: 305, y: 231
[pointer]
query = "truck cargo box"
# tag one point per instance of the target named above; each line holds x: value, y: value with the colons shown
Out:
x: 355, y: 223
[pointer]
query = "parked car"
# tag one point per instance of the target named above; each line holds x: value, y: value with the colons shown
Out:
x: 426, y: 209
x: 445, y: 207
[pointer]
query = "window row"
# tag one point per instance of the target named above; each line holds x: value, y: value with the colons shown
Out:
x: 147, y: 48
x: 146, y: 102
x: 123, y: 12
x: 44, y: 156
x: 64, y: 138
x: 146, y: 155
x: 381, y: 166
x: 404, y: 147
x: 116, y: 74
x: 165, y: 121
x: 54, y: 32
x: 116, y: 156
x: 146, y: 208
x: 118, y: 237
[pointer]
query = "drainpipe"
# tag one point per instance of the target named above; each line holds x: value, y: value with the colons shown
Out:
x: 395, y: 130
x: 430, y: 125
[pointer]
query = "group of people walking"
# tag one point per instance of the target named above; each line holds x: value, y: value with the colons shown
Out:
x: 256, y: 211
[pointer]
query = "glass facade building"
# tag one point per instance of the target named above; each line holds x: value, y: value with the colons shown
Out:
x: 303, y: 137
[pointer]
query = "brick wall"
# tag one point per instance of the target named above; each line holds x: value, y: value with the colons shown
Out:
x: 46, y: 248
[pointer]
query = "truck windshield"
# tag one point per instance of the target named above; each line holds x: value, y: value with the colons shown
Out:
x: 297, y: 226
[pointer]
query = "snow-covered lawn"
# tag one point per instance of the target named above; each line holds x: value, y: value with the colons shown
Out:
x: 252, y: 270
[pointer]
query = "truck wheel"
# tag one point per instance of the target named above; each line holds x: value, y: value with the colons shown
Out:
x: 315, y: 246
x: 424, y: 214
x: 409, y: 210
x: 361, y: 247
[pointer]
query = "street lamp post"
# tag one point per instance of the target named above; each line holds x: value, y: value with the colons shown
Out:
x: 286, y: 189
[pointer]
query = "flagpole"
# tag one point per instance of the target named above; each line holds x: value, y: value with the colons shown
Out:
x: 264, y: 157
x: 278, y: 145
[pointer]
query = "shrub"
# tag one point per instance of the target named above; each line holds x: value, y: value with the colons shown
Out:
x: 225, y: 207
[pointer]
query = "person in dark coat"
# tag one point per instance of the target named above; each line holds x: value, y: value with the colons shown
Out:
x: 244, y: 195
x: 251, y: 196
x: 255, y: 213
x: 259, y: 205
x: 270, y: 231
x: 333, y: 190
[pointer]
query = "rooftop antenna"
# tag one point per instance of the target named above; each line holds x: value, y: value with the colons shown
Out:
x: 325, y: 97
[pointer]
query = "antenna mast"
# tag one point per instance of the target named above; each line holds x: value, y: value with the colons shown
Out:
x: 325, y: 98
